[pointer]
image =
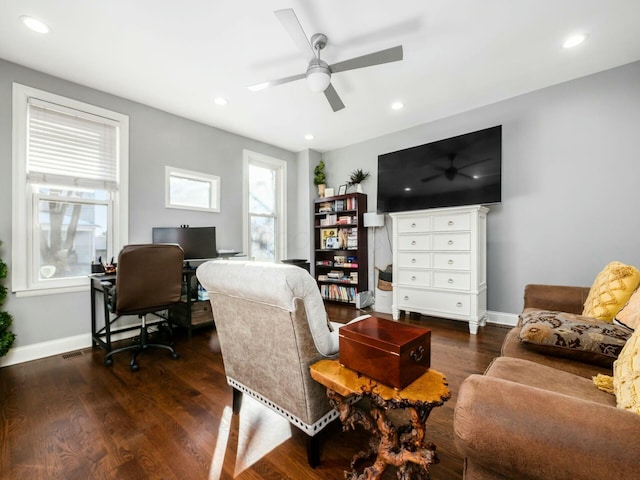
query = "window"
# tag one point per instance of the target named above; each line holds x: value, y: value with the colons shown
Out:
x: 264, y: 207
x: 191, y: 190
x: 70, y: 166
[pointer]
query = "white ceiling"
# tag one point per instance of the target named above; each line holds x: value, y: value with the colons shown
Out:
x: 458, y: 55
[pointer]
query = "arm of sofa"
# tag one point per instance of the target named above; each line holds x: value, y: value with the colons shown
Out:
x: 559, y: 298
x: 523, y: 432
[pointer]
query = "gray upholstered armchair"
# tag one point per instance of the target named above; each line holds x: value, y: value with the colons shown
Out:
x: 272, y: 326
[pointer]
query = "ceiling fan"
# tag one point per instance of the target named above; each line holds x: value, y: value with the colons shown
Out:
x: 451, y: 172
x: 318, y: 72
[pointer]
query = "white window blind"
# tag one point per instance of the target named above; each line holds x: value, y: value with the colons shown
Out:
x: 71, y: 148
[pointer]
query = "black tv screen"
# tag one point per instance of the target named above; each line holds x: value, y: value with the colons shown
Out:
x: 462, y: 170
x: 198, y: 243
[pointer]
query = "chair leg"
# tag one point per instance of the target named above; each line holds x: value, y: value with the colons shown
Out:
x: 313, y: 450
x: 237, y: 401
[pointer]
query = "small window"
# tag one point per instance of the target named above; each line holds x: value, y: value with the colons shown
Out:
x: 192, y: 190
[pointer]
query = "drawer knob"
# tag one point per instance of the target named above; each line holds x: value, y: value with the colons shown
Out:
x: 413, y: 260
x: 450, y: 262
x: 413, y: 225
x: 413, y: 278
x: 406, y: 297
x: 413, y: 242
x: 450, y: 280
x: 459, y: 304
x: 450, y: 223
x: 450, y: 242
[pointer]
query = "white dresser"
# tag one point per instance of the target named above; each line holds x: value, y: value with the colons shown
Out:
x: 440, y: 265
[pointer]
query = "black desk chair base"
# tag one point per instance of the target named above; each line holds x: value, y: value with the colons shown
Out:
x: 141, y: 345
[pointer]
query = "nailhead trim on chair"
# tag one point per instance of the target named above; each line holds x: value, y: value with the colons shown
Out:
x: 310, y: 430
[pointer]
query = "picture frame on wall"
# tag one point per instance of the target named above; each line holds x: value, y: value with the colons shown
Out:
x: 342, y: 189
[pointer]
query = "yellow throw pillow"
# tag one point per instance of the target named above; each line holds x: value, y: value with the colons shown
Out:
x: 610, y: 291
x: 626, y: 375
x: 629, y: 315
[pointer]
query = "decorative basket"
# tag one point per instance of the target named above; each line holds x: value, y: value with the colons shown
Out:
x: 384, y: 278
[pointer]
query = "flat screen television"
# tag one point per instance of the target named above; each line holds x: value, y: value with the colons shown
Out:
x: 198, y: 243
x: 462, y: 170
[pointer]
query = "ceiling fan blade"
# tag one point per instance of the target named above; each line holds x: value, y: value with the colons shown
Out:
x: 291, y: 24
x: 475, y: 163
x: 333, y: 98
x: 272, y: 83
x: 432, y: 177
x: 393, y: 54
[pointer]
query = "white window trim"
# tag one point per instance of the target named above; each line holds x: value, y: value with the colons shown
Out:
x: 270, y: 162
x: 213, y: 180
x: 21, y: 248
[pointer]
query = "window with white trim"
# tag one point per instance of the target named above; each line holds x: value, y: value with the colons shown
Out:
x: 191, y: 190
x: 70, y: 190
x: 264, y: 207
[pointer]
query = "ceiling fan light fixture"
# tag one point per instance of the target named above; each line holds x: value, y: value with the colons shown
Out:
x: 318, y: 76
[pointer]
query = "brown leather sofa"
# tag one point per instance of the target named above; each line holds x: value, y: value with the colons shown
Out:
x: 537, y: 416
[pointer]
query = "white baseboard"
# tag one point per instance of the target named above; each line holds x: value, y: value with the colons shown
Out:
x: 45, y: 349
x: 501, y: 318
x: 50, y: 348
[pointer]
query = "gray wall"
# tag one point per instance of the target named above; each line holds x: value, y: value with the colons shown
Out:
x: 156, y: 139
x: 571, y: 172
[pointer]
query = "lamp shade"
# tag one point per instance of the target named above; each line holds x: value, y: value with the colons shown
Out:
x: 373, y: 219
x: 318, y: 78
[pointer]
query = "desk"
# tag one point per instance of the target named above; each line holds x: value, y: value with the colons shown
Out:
x: 181, y: 314
x: 403, y: 446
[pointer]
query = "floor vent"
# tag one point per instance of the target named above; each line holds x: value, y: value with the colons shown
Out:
x: 72, y: 354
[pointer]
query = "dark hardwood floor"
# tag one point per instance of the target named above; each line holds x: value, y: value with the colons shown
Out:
x: 70, y: 417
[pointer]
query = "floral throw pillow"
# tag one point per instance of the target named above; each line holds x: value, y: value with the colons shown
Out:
x: 573, y: 336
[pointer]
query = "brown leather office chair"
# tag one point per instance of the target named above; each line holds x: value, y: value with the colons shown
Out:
x: 148, y: 281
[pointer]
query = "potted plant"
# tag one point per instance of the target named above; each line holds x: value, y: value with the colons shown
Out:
x: 6, y: 335
x: 357, y: 177
x: 320, y: 178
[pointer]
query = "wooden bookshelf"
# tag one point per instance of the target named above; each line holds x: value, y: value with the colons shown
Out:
x: 341, y: 262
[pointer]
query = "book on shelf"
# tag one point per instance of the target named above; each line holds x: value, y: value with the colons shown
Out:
x: 329, y: 239
x: 339, y: 260
x: 335, y: 274
x: 324, y: 263
x: 325, y: 207
x: 338, y: 293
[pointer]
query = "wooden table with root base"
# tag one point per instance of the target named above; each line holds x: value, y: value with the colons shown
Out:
x: 394, y: 442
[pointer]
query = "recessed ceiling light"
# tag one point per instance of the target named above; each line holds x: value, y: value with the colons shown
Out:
x: 34, y: 24
x: 397, y: 105
x: 407, y: 189
x: 308, y: 136
x: 574, y: 40
x: 220, y: 101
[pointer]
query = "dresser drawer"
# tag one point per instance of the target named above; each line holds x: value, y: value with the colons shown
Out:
x: 452, y: 261
x: 436, y: 302
x: 414, y: 260
x: 453, y: 280
x: 417, y: 278
x: 414, y: 224
x: 452, y: 241
x: 453, y: 222
x: 414, y: 242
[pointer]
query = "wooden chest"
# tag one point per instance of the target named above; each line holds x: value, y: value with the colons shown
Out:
x: 390, y: 352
